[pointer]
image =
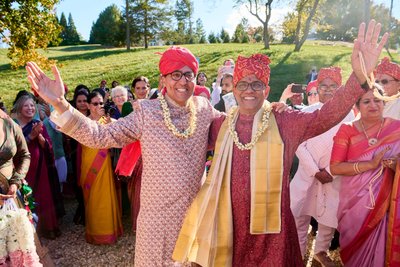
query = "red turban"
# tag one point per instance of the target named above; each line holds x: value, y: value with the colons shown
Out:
x: 388, y: 68
x: 333, y: 73
x: 257, y: 64
x: 201, y: 89
x: 176, y: 58
x: 311, y: 85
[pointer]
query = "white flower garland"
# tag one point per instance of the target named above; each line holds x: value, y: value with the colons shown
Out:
x: 168, y: 122
x: 261, y: 128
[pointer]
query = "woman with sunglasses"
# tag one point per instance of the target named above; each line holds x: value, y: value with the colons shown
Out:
x: 102, y: 209
x: 312, y: 93
x: 365, y: 154
x: 388, y: 76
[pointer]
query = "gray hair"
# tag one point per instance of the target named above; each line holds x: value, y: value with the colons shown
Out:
x: 117, y: 89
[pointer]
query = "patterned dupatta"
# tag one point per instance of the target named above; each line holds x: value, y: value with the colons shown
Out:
x: 206, y: 236
x: 385, y: 200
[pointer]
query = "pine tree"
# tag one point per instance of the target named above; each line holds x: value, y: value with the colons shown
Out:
x: 72, y: 33
x: 108, y: 29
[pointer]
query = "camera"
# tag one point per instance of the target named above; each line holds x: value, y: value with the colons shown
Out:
x: 109, y: 110
x: 297, y: 88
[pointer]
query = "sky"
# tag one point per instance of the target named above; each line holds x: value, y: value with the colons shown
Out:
x: 215, y: 14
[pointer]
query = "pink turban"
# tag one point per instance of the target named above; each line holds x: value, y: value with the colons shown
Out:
x: 201, y: 89
x: 388, y: 68
x: 176, y: 58
x: 311, y: 85
x: 257, y: 64
x: 333, y: 73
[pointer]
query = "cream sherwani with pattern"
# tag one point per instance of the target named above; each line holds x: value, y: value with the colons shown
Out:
x: 172, y: 167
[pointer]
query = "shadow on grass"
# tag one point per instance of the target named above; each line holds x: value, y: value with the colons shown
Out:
x: 5, y: 67
x: 77, y: 48
x: 217, y: 57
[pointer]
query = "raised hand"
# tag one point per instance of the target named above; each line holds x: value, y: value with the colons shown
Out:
x: 52, y: 91
x: 367, y: 44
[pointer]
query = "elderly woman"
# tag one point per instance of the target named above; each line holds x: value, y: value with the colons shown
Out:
x: 119, y: 96
x: 388, y: 76
x: 103, y: 213
x: 42, y: 175
x: 365, y: 153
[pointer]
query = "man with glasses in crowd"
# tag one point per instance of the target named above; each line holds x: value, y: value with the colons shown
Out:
x: 241, y: 216
x: 388, y: 76
x: 313, y: 191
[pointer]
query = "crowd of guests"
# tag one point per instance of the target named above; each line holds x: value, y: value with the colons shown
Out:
x: 104, y: 142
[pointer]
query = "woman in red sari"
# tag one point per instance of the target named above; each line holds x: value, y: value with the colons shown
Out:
x: 365, y: 154
x: 42, y: 176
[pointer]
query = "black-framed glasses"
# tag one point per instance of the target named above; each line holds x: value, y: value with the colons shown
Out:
x: 256, y: 86
x: 312, y: 93
x: 384, y: 81
x: 325, y: 87
x: 97, y: 103
x: 177, y: 75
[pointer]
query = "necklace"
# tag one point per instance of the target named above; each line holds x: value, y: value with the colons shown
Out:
x: 261, y: 128
x: 373, y: 140
x: 168, y: 122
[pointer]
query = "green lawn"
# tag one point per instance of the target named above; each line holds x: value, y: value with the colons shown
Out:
x: 89, y: 64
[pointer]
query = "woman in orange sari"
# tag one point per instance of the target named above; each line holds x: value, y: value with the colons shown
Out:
x: 102, y: 205
x: 365, y: 154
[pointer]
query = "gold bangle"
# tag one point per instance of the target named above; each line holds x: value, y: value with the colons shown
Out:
x: 356, y: 167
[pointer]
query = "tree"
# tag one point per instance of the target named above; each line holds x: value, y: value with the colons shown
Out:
x: 26, y: 26
x: 200, y: 33
x: 254, y: 7
x: 224, y: 35
x: 73, y: 37
x: 63, y: 23
x: 127, y: 26
x: 240, y: 34
x: 299, y: 41
x: 108, y: 30
x: 149, y: 19
x: 212, y: 39
x: 183, y: 15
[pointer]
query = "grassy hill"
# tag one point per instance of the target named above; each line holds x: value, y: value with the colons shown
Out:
x: 89, y: 64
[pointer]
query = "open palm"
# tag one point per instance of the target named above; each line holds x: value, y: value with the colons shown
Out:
x: 367, y: 46
x: 52, y: 91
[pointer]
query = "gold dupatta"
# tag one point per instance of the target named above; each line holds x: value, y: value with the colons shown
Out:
x: 206, y: 236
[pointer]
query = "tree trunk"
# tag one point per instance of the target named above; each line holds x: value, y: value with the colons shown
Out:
x: 266, y: 36
x: 307, y: 27
x: 367, y: 12
x: 128, y: 26
x: 146, y: 45
x: 298, y: 26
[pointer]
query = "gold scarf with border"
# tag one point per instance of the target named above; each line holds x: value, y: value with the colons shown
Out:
x: 206, y: 236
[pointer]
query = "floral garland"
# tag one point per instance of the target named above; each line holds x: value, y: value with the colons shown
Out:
x: 17, y: 239
x: 168, y: 122
x: 261, y: 128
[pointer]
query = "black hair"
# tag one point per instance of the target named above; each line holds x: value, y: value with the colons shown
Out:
x: 94, y: 94
x: 140, y: 79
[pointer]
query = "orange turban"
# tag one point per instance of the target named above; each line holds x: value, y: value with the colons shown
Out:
x: 257, y: 64
x: 333, y: 73
x: 175, y: 58
x: 388, y: 68
x: 201, y: 89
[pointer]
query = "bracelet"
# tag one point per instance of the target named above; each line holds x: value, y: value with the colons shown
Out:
x: 356, y: 167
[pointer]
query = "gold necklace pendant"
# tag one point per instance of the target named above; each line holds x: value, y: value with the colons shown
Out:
x: 373, y: 140
x: 168, y: 121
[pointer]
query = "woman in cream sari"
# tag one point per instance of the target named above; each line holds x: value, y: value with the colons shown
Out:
x: 102, y: 205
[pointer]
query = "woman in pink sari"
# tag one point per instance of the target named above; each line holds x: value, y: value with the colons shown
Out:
x: 365, y: 154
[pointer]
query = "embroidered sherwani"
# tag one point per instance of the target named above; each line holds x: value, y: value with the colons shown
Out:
x: 308, y: 196
x: 172, y: 167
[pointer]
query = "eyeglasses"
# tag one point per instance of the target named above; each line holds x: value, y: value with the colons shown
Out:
x: 312, y: 93
x: 256, y: 86
x: 326, y: 87
x: 119, y: 96
x: 177, y: 75
x: 384, y: 81
x: 97, y: 103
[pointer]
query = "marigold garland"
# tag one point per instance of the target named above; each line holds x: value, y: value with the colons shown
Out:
x: 168, y: 122
x: 261, y: 128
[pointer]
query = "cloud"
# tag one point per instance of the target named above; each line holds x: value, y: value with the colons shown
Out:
x: 240, y: 12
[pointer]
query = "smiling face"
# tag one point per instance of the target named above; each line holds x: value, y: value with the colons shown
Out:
x: 327, y: 89
x: 141, y: 90
x: 28, y: 109
x: 250, y: 101
x: 201, y: 79
x: 390, y: 85
x: 179, y: 91
x: 371, y: 108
